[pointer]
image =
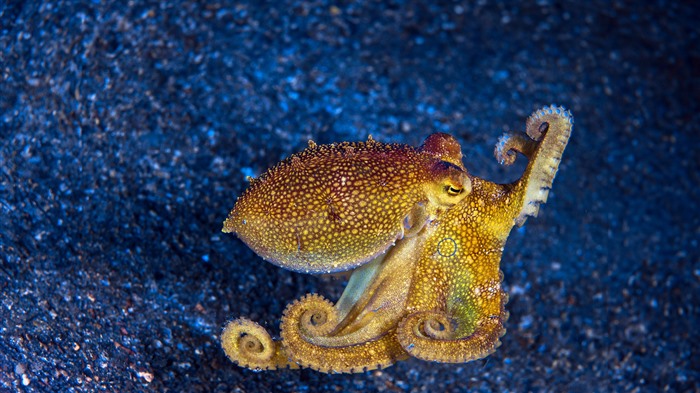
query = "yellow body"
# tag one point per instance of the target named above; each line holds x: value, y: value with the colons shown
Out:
x: 435, y: 295
x: 334, y: 207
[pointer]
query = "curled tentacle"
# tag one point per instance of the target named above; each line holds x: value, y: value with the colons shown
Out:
x: 304, y: 324
x: 318, y: 317
x: 548, y: 131
x: 551, y: 127
x: 249, y: 345
x: 418, y: 336
x: 510, y: 144
x: 438, y: 327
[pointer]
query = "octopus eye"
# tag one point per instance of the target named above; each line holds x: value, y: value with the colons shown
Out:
x: 453, y: 191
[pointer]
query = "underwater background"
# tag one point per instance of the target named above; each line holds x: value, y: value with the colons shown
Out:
x: 127, y: 130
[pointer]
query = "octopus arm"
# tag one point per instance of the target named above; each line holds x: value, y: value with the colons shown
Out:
x: 374, y: 300
x: 428, y: 335
x: 313, y: 317
x: 467, y: 324
x: 548, y: 131
x: 249, y: 345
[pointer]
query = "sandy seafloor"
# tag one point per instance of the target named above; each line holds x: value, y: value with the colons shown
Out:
x: 127, y: 130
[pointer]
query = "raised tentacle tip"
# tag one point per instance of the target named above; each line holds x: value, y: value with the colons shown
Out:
x: 540, y: 121
x: 551, y: 127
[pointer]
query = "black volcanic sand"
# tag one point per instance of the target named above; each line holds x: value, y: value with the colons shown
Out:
x: 127, y: 130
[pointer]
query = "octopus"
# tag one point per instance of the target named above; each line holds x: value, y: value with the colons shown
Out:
x: 422, y: 236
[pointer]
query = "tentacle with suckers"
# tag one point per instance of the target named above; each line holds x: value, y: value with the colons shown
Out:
x: 509, y: 144
x: 433, y: 336
x: 548, y: 130
x: 249, y: 345
x: 305, y: 324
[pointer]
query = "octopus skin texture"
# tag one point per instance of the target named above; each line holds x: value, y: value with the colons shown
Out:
x: 434, y: 295
x: 335, y: 207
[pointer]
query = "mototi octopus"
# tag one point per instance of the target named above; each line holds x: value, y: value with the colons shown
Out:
x: 423, y: 238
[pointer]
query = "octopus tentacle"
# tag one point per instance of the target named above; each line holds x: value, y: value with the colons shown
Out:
x: 250, y: 345
x: 509, y: 144
x: 356, y: 289
x: 374, y: 300
x: 549, y: 130
x: 439, y: 327
x: 430, y: 335
x: 551, y: 127
x: 318, y: 317
x: 299, y: 335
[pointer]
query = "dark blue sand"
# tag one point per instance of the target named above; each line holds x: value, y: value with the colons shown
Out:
x: 126, y: 131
